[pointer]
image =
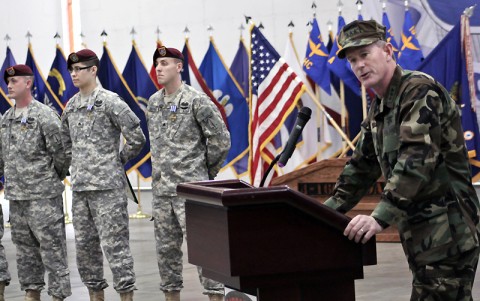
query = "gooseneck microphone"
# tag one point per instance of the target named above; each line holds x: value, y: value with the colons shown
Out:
x: 282, y: 158
x: 302, y: 118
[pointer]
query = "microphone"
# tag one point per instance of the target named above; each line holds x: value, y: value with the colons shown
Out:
x: 302, y: 118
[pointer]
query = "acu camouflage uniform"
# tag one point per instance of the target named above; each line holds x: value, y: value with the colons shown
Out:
x: 34, y: 164
x: 189, y: 142
x: 413, y: 136
x: 4, y: 273
x: 91, y: 134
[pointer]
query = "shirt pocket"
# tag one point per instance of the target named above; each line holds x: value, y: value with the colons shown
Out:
x: 428, y: 236
x: 31, y: 141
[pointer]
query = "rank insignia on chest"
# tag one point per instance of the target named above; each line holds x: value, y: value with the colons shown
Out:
x: 173, y: 117
x: 89, y: 110
x: 23, y: 122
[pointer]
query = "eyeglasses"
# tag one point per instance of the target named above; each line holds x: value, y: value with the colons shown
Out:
x: 77, y: 69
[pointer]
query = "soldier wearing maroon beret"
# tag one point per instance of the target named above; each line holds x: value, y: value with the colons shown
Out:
x: 180, y: 120
x: 17, y: 70
x: 164, y: 52
x: 33, y: 161
x: 86, y: 56
x: 92, y: 123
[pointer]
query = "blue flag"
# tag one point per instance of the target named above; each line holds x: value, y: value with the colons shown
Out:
x: 41, y: 89
x: 59, y: 79
x: 192, y: 76
x: 5, y: 102
x: 389, y: 33
x: 341, y: 68
x: 341, y: 71
x: 112, y: 80
x: 142, y: 86
x: 410, y: 55
x: 9, y: 61
x: 240, y: 69
x: 450, y: 55
x: 227, y: 91
x: 316, y: 59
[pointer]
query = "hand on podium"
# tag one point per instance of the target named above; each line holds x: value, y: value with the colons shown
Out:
x: 362, y: 228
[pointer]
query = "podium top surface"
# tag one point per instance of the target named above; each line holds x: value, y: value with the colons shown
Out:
x: 234, y: 193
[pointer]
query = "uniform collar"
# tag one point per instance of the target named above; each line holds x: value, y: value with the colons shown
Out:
x: 389, y: 99
x: 11, y: 114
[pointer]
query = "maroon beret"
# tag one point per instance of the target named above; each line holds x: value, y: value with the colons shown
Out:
x: 17, y: 70
x: 84, y: 55
x: 167, y: 52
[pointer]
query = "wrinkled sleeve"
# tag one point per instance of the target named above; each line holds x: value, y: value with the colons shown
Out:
x: 66, y: 140
x: 129, y: 125
x: 216, y: 133
x: 358, y: 176
x: 53, y: 143
x: 2, y: 163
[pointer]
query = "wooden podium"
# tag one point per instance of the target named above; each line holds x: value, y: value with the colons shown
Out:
x: 275, y: 243
x: 318, y: 180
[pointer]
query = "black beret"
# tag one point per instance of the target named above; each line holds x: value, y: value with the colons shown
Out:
x: 83, y: 55
x: 17, y: 70
x: 167, y: 52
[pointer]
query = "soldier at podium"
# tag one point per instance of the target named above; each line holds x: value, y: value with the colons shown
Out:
x: 414, y: 138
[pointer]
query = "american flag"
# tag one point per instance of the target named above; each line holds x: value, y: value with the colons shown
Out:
x: 275, y: 92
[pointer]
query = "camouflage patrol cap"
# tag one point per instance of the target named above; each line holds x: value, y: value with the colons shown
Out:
x: 17, y: 70
x: 84, y: 55
x: 167, y: 52
x: 359, y: 33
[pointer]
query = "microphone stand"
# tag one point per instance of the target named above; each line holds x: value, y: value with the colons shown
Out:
x: 264, y: 178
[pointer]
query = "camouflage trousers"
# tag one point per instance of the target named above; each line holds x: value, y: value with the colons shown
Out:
x: 4, y: 273
x: 448, y: 280
x: 38, y: 232
x: 169, y: 223
x: 100, y: 220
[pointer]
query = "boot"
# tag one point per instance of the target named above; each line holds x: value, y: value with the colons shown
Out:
x: 56, y: 298
x: 172, y: 296
x: 32, y: 295
x: 215, y: 297
x: 2, y: 290
x: 128, y: 296
x: 96, y: 295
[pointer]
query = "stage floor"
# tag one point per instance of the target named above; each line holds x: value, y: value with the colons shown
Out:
x: 389, y: 280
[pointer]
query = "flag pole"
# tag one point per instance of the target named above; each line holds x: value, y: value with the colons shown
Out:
x: 332, y: 121
x: 67, y: 218
x: 139, y: 214
x: 364, y: 102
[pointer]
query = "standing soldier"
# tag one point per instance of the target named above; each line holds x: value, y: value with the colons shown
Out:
x: 189, y: 142
x: 4, y: 273
x: 413, y: 137
x: 91, y: 126
x: 34, y: 164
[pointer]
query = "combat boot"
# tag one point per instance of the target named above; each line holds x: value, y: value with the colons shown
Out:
x: 172, y: 296
x: 215, y: 297
x: 128, y: 296
x: 32, y: 295
x: 2, y: 290
x: 96, y: 295
x: 56, y: 298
